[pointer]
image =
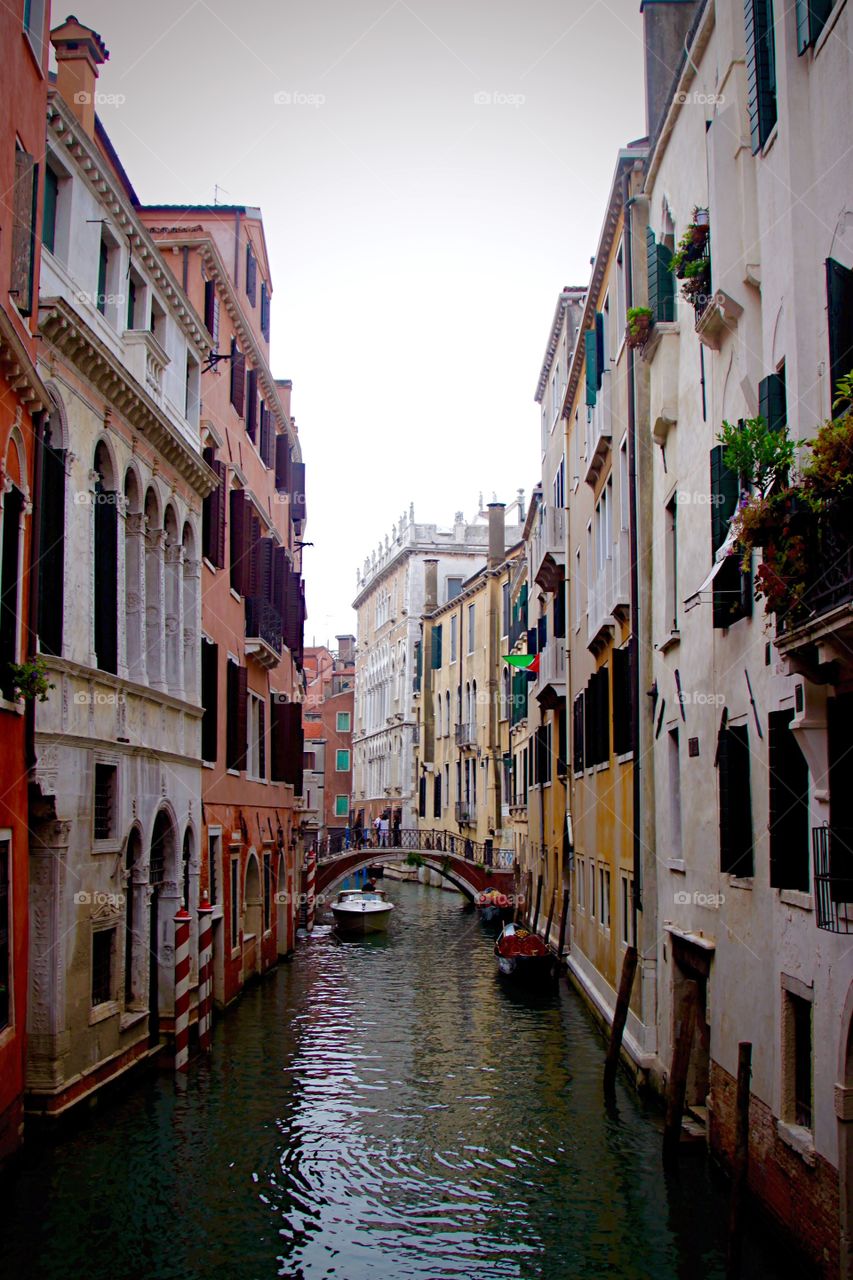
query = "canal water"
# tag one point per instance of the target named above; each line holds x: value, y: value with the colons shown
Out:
x: 376, y: 1109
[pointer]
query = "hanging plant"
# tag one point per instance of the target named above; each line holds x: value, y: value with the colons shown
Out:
x: 640, y: 321
x: 691, y: 261
x: 30, y: 680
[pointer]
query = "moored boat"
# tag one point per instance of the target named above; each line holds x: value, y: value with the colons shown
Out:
x: 523, y: 957
x: 360, y: 911
x: 493, y: 907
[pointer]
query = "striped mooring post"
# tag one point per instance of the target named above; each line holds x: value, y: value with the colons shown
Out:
x: 182, y: 989
x: 205, y: 974
x: 310, y: 881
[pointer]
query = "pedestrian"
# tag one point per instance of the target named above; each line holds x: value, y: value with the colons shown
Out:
x: 377, y: 828
x: 397, y: 823
x: 383, y: 832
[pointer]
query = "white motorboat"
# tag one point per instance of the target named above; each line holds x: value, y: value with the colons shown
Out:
x: 362, y: 911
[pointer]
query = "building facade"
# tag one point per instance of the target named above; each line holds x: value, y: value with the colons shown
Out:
x: 24, y: 402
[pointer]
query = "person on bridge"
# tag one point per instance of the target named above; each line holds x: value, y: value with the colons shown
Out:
x: 395, y: 827
x: 383, y: 832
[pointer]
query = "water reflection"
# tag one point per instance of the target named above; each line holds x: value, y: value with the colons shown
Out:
x: 381, y: 1108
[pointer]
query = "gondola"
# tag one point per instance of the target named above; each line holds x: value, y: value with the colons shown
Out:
x: 523, y: 958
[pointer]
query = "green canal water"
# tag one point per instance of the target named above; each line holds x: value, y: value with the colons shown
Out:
x: 376, y: 1109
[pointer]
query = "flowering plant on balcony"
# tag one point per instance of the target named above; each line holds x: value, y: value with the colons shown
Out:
x: 691, y: 261
x: 30, y: 679
x: 797, y: 522
x: 640, y: 320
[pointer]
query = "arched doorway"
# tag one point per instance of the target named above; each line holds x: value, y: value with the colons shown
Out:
x: 160, y: 869
x: 252, y: 918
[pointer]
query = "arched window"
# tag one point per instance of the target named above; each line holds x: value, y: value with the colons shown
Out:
x: 191, y: 569
x: 134, y: 581
x: 106, y: 562
x: 154, y: 538
x: 173, y: 555
x: 447, y: 713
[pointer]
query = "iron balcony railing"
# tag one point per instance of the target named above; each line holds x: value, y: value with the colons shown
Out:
x: 263, y: 622
x: 465, y: 811
x: 832, y: 853
x: 830, y: 581
x: 465, y: 735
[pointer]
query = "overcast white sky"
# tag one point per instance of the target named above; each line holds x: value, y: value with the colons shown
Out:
x: 418, y: 237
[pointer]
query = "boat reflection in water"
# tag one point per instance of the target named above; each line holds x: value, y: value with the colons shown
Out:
x: 361, y: 911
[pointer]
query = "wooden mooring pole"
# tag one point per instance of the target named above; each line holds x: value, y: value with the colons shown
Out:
x: 550, y: 918
x: 676, y: 1086
x: 620, y: 1017
x: 538, y: 904
x: 563, y: 922
x: 740, y: 1161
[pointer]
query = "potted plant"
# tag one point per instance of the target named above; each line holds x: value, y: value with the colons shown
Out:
x: 691, y: 261
x: 29, y: 680
x: 640, y: 321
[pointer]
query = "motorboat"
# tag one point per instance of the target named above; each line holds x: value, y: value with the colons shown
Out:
x: 523, y: 957
x: 360, y: 911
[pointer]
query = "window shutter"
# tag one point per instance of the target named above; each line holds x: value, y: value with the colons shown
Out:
x: 282, y: 464
x: 577, y: 734
x: 241, y: 729
x: 589, y: 692
x: 652, y: 273
x: 622, y: 697
x: 265, y: 311
x: 603, y: 709
x: 252, y: 405
x: 211, y: 311
x: 251, y: 275
x: 48, y: 222
x: 803, y: 38
x: 209, y: 700
x: 106, y: 581
x: 789, y: 805
x: 725, y: 491
x: 288, y: 744
x: 839, y: 294
x: 217, y: 541
x: 533, y: 640
x: 240, y: 533
x: 761, y: 69
x: 435, y: 659
x: 772, y: 404
x: 591, y: 352
x: 542, y: 632
x: 52, y: 551
x: 298, y: 507
x: 736, y: 857
x: 253, y: 555
x: 23, y: 231
x: 436, y: 796
x: 9, y: 579
x: 238, y: 378
x: 600, y: 356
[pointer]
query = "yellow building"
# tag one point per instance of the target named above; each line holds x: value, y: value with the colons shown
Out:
x: 463, y: 755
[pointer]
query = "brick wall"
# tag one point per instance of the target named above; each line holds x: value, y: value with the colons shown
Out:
x: 801, y: 1196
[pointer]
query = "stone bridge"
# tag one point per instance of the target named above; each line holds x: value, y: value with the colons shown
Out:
x: 472, y: 867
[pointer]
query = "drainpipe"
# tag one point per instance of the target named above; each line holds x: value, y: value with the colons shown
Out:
x: 634, y: 639
x: 39, y: 420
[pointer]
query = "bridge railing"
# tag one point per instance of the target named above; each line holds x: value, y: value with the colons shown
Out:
x: 338, y: 844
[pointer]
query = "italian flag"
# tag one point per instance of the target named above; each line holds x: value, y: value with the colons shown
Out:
x: 525, y: 661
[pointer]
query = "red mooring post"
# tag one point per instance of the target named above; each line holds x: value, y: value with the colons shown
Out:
x: 182, y: 989
x: 310, y: 881
x: 205, y: 974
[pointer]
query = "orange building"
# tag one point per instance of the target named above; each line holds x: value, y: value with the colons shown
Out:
x: 23, y: 399
x: 253, y: 605
x: 328, y: 712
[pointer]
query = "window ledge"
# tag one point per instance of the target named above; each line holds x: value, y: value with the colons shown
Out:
x: 16, y: 707
x: 106, y: 846
x: 132, y: 1018
x: 208, y: 564
x: 625, y: 758
x: 830, y: 24
x: 599, y: 768
x: 673, y: 639
x: 236, y: 595
x: 208, y: 764
x: 677, y: 864
x: 798, y: 1138
x: 771, y: 138
x: 796, y: 898
x: 741, y: 882
x: 101, y: 1012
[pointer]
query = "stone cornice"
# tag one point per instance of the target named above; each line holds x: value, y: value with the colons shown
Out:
x: 72, y: 338
x: 66, y: 132
x: 17, y: 368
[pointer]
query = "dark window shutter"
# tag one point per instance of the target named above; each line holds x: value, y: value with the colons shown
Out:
x: 9, y: 576
x: 211, y: 311
x: 422, y: 797
x: 252, y: 405
x: 436, y: 796
x: 621, y: 701
x: 52, y: 551
x: 839, y: 294
x: 251, y: 275
x: 282, y: 464
x: 736, y: 855
x: 435, y: 660
x: 560, y: 611
x: 772, y: 404
x: 577, y: 733
x: 591, y: 352
x: 533, y: 640
x: 240, y: 534
x: 48, y: 222
x: 297, y: 500
x: 265, y: 311
x: 288, y: 744
x: 603, y: 709
x: 218, y: 500
x: 542, y: 632
x: 106, y: 580
x: 562, y: 740
x: 253, y: 556
x: 661, y: 279
x: 725, y: 491
x: 209, y: 700
x: 265, y: 436
x: 761, y: 69
x: 265, y: 570
x: 25, y: 203
x: 652, y: 272
x: 600, y: 356
x: 238, y: 378
x: 789, y: 805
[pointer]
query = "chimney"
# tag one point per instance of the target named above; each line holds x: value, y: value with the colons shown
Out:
x: 665, y: 27
x: 497, y: 533
x: 346, y: 648
x: 430, y: 585
x: 79, y: 53
x: 522, y: 514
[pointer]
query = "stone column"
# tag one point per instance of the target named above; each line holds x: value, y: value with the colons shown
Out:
x: 191, y: 627
x: 134, y: 599
x: 155, y: 543
x: 174, y: 555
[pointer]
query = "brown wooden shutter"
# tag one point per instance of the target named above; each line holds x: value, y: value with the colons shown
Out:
x: 242, y: 709
x: 298, y: 507
x: 251, y: 275
x: 218, y: 532
x: 238, y: 378
x: 253, y: 552
x: 209, y: 700
x: 23, y: 231
x: 252, y: 405
x: 282, y: 464
x: 211, y: 311
x: 239, y: 541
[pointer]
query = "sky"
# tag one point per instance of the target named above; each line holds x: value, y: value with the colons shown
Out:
x: 431, y: 173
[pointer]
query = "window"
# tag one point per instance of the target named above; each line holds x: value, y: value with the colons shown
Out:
x: 106, y: 565
x: 106, y: 797
x: 661, y: 279
x: 761, y: 70
x: 592, y: 890
x: 732, y: 588
x: 13, y: 505
x: 192, y: 390
x: 505, y: 609
x: 236, y: 738
x: 436, y: 796
x: 674, y: 762
x: 5, y: 935
x: 797, y: 1058
x: 343, y: 722
x: 211, y: 311
x: 103, y: 965
x: 422, y: 796
x: 24, y: 208
x: 839, y: 294
x: 543, y: 754
x: 435, y: 654
x: 342, y: 806
x: 671, y: 567
x: 209, y: 700
x: 342, y: 761
x: 472, y: 626
x: 107, y: 297
x: 34, y: 26
x: 238, y: 379
x: 214, y: 853
x: 265, y: 311
x: 811, y: 20
x: 454, y: 642
x: 51, y: 198
x: 736, y: 851
x: 251, y: 275
x: 789, y: 805
x: 454, y: 587
x: 621, y: 313
x: 604, y: 897
x: 622, y: 699
x: 580, y: 875
x: 256, y: 764
x: 596, y: 719
x: 625, y: 914
x: 577, y: 734
x: 267, y: 891
x: 235, y: 902
x: 252, y: 405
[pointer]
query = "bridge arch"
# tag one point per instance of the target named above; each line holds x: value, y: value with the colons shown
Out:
x: 470, y: 878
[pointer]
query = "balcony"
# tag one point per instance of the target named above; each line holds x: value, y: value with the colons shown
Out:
x: 822, y: 624
x: 598, y: 431
x: 620, y: 601
x: 548, y: 548
x: 600, y: 620
x: 466, y: 735
x: 263, y: 632
x: 551, y: 684
x: 466, y: 814
x: 832, y: 854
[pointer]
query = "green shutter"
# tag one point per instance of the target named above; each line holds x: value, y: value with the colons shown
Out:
x: 725, y: 491
x: 761, y: 69
x: 51, y: 191
x: 435, y: 660
x: 600, y: 356
x: 772, y: 403
x: 839, y: 295
x: 811, y: 20
x: 591, y: 349
x: 652, y: 272
x: 661, y: 279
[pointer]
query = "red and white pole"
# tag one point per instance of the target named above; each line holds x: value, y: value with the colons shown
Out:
x: 182, y: 989
x: 310, y: 882
x: 205, y: 974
